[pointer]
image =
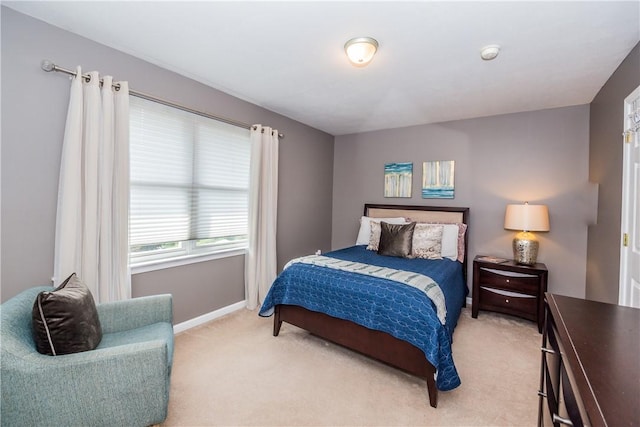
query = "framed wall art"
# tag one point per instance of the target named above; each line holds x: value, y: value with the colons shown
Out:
x: 438, y: 179
x: 398, y: 179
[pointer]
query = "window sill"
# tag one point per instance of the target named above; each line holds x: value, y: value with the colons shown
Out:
x: 184, y: 260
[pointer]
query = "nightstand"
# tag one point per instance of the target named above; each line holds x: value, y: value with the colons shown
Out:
x: 510, y: 288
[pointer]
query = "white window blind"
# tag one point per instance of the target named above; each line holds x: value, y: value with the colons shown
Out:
x: 189, y: 183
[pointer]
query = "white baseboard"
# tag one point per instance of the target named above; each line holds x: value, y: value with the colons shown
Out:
x: 197, y: 321
x: 469, y: 301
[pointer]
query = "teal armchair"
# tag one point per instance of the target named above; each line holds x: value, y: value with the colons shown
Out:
x: 123, y: 382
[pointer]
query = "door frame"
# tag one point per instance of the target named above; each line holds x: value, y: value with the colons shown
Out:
x: 629, y: 137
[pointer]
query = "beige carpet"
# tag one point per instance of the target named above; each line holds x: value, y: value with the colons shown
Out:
x: 233, y: 372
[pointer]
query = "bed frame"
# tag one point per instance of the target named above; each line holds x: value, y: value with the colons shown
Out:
x: 375, y: 344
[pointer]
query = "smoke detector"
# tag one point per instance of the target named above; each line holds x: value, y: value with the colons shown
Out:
x: 489, y: 52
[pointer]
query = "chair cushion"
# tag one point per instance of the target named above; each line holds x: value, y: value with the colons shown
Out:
x: 65, y: 320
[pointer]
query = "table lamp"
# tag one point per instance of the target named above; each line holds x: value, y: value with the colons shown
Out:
x: 526, y: 218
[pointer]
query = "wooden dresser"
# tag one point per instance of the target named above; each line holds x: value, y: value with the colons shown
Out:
x: 590, y: 370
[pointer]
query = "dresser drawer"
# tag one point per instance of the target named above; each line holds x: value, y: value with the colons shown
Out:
x: 564, y: 405
x: 522, y: 306
x: 517, y: 283
x: 550, y: 377
x: 571, y: 409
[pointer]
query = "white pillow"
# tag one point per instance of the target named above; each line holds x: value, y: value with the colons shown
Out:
x: 365, y: 227
x: 450, y: 241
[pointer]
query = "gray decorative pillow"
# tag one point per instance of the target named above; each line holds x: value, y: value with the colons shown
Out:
x: 395, y: 239
x: 65, y: 320
x: 427, y: 241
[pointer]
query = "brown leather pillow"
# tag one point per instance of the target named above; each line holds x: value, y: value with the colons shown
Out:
x: 396, y: 239
x: 65, y: 320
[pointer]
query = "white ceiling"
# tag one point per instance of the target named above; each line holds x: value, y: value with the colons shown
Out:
x: 288, y: 57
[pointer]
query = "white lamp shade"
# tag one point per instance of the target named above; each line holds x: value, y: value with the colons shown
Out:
x: 360, y: 50
x: 527, y: 217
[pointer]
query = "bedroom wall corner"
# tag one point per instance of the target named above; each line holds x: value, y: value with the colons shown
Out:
x: 605, y: 168
x: 539, y: 156
x: 34, y: 105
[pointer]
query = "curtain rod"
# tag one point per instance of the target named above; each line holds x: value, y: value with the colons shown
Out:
x: 49, y: 66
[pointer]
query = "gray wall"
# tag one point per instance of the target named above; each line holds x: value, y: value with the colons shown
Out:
x: 33, y: 115
x: 540, y: 157
x: 605, y: 167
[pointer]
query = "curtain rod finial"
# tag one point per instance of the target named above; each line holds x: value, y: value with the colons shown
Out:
x: 47, y: 65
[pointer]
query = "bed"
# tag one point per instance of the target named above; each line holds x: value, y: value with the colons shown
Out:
x: 368, y: 313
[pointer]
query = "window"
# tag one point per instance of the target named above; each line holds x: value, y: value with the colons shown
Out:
x: 189, y: 184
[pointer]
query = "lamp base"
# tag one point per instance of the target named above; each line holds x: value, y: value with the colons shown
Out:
x: 525, y: 248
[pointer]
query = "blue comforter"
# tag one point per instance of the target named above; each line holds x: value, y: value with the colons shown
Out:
x: 397, y: 309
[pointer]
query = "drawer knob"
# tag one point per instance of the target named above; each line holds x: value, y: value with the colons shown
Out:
x: 507, y: 301
x: 507, y: 280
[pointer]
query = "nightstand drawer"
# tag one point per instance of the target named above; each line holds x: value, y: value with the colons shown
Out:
x: 517, y: 283
x: 522, y: 306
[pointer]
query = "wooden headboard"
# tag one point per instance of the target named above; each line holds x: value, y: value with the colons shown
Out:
x: 442, y: 214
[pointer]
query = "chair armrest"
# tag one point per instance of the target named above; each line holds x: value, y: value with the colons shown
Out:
x: 135, y: 313
x: 118, y: 355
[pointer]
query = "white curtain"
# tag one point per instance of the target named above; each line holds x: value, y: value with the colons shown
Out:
x: 260, y: 262
x: 93, y: 190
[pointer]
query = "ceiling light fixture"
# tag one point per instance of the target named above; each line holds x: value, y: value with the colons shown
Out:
x: 360, y: 50
x: 490, y: 52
